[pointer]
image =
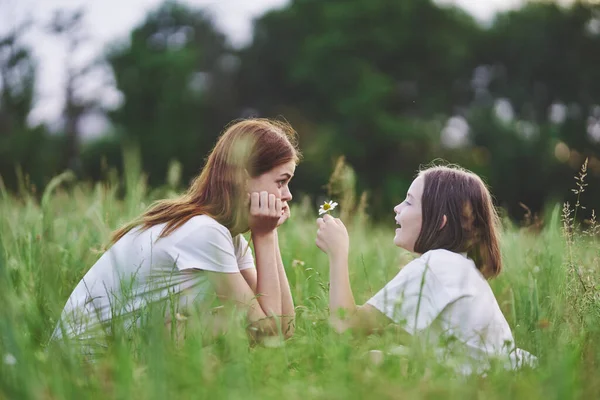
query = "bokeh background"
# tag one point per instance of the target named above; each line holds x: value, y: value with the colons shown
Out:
x: 508, y: 89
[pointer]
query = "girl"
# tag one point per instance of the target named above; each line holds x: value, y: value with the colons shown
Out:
x: 449, y: 221
x: 191, y: 246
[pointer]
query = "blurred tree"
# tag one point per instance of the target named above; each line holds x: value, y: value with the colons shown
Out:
x: 26, y: 153
x: 69, y: 25
x: 17, y: 79
x: 543, y: 81
x: 374, y: 75
x: 390, y: 85
x: 175, y: 77
x: 545, y: 53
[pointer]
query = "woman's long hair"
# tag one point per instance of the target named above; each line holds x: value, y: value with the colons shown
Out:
x: 247, y: 148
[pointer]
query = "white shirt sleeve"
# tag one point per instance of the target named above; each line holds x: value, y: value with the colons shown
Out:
x: 243, y: 253
x: 414, y: 298
x: 207, y: 247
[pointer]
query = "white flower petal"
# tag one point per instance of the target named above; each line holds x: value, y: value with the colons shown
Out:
x: 334, y: 204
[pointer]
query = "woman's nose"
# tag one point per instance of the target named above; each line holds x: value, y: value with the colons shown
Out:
x: 286, y: 195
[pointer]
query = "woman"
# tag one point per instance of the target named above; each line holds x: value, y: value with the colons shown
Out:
x: 449, y: 221
x: 191, y: 247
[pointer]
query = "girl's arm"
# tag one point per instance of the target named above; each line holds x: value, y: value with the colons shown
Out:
x: 332, y: 238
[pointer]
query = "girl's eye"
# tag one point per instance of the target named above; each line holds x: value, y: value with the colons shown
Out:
x: 280, y: 183
x: 406, y: 202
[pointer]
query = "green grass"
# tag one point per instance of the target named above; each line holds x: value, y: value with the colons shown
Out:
x: 548, y: 292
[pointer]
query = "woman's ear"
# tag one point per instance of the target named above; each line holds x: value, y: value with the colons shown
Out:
x: 444, y: 221
x: 246, y: 178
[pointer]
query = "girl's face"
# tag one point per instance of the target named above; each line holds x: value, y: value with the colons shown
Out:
x: 409, y: 217
x: 276, y: 181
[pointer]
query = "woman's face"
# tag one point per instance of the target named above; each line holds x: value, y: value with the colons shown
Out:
x: 409, y: 217
x: 276, y: 181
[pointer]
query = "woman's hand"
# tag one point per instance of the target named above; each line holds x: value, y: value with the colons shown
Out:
x: 265, y: 212
x: 332, y: 236
x: 285, y: 213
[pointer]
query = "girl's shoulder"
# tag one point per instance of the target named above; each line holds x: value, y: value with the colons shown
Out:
x: 451, y: 268
x: 443, y: 264
x: 443, y: 256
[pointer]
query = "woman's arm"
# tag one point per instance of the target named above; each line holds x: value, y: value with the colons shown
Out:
x: 287, y: 305
x: 265, y: 211
x: 288, y: 313
x: 261, y: 304
x: 250, y: 277
x: 268, y: 289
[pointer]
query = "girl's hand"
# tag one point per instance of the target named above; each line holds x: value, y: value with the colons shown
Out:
x: 332, y: 236
x: 265, y: 212
x: 285, y: 213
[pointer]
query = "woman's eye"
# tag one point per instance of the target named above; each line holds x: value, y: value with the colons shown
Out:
x: 406, y: 202
x: 280, y: 183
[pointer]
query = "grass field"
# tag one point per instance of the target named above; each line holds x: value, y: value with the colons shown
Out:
x: 549, y: 291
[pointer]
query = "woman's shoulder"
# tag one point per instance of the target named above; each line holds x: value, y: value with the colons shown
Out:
x: 198, y: 229
x: 203, y: 223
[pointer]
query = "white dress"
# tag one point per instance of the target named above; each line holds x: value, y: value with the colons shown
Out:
x: 140, y: 269
x: 443, y: 298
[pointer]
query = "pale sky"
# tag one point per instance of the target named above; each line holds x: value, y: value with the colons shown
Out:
x: 110, y: 20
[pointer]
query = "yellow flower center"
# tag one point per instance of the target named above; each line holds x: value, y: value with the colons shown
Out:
x: 326, y: 206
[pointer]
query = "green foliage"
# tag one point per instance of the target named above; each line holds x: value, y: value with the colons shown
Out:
x: 28, y: 156
x: 374, y: 81
x: 361, y: 69
x: 170, y: 74
x: 44, y: 252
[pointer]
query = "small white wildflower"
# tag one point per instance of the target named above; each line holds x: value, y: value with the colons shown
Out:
x: 9, y: 359
x: 327, y: 206
x: 376, y: 357
x: 536, y: 269
x: 297, y: 263
x: 180, y: 317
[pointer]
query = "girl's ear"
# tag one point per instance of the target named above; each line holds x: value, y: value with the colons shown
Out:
x: 444, y: 221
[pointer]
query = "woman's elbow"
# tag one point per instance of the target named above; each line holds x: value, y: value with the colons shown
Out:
x: 270, y: 327
x: 340, y: 325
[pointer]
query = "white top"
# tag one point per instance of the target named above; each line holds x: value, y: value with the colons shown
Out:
x: 442, y: 295
x: 140, y: 269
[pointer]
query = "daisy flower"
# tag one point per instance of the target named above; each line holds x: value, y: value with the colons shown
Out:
x: 327, y: 206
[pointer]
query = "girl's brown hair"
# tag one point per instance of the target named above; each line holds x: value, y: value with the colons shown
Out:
x: 247, y: 148
x: 472, y: 221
